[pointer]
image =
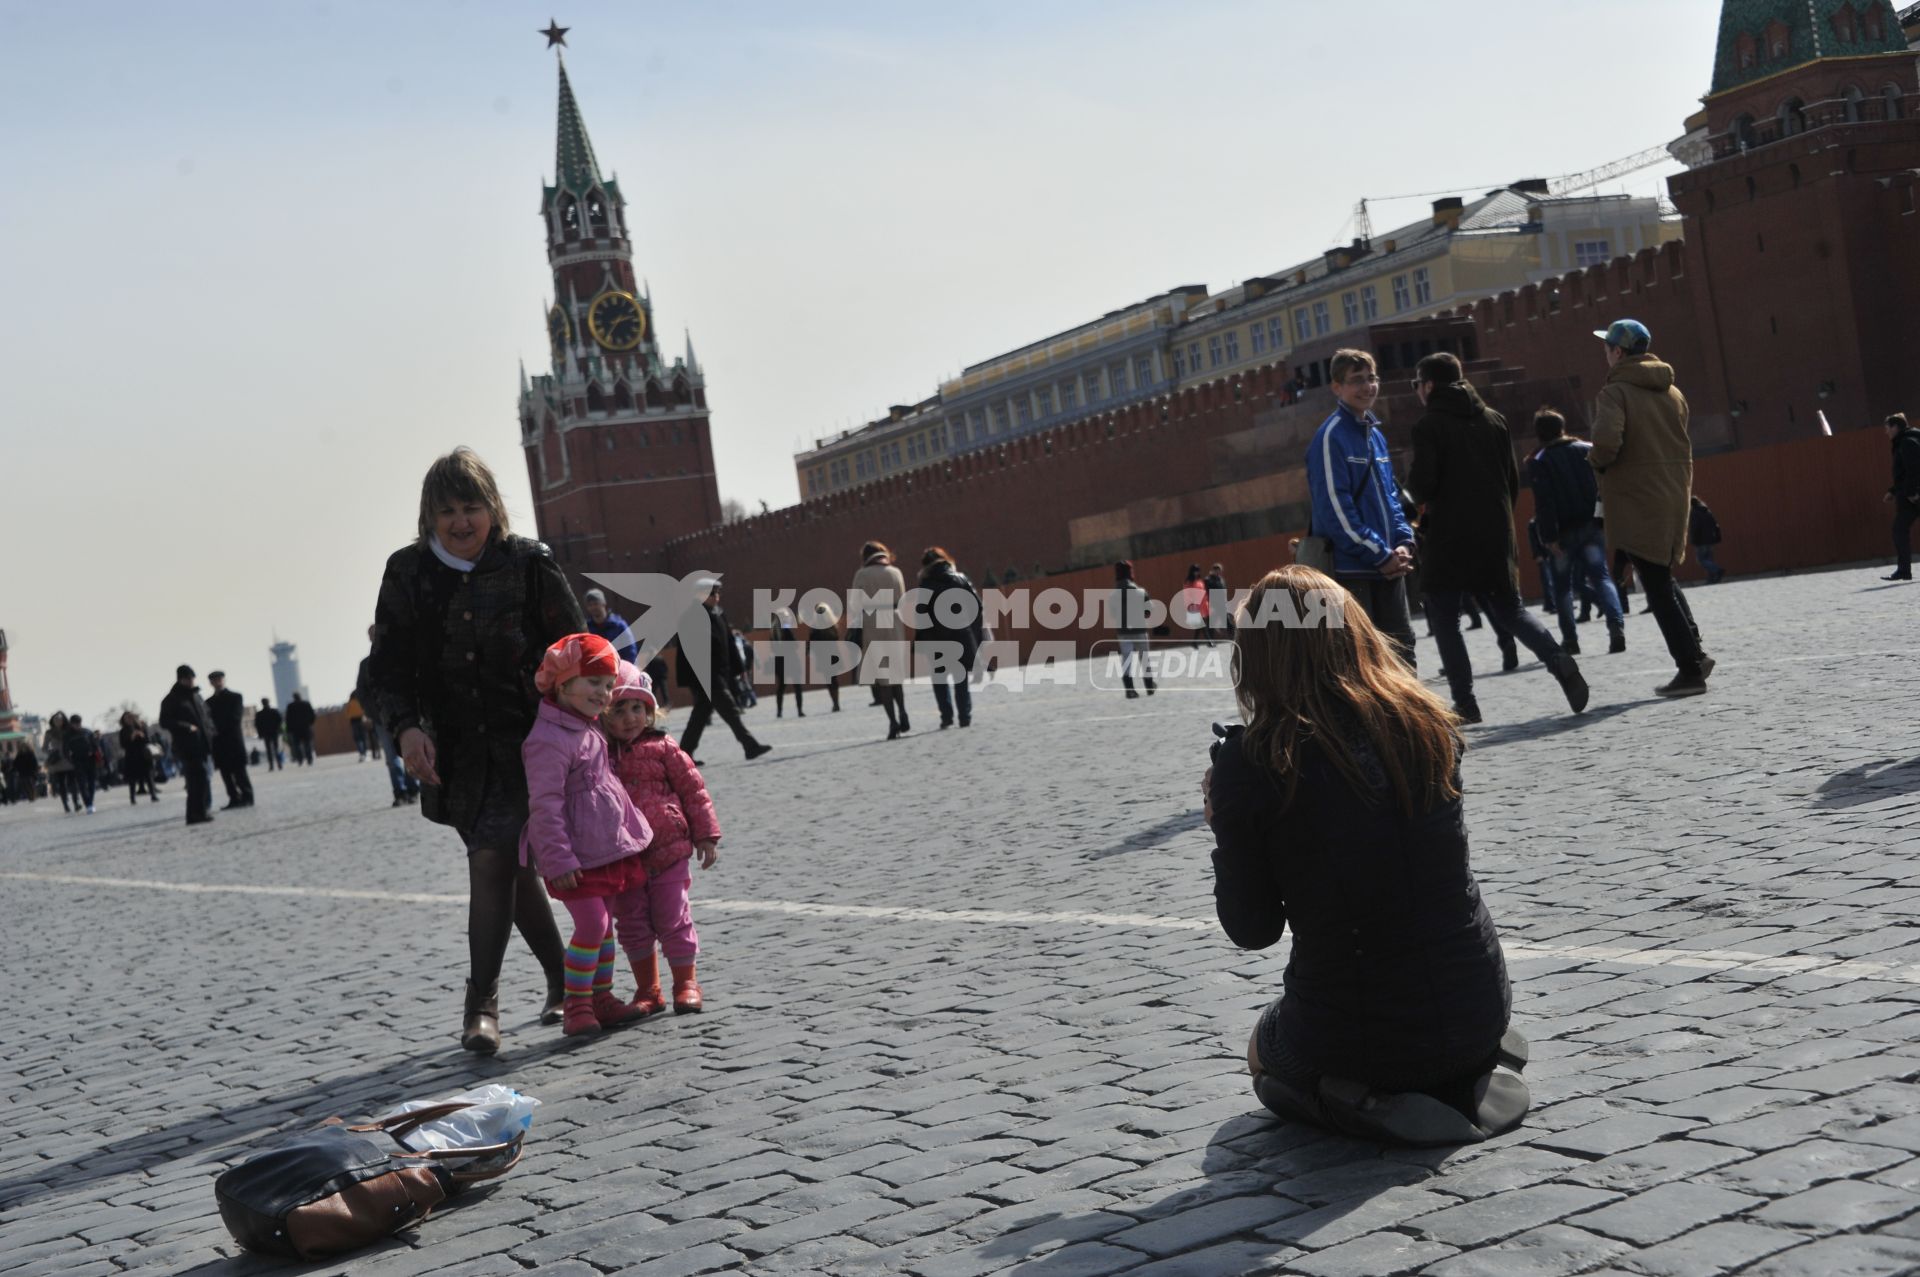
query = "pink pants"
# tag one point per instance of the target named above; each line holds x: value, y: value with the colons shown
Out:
x: 659, y: 910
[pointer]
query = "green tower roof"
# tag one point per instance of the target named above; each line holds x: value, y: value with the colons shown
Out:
x: 574, y: 167
x: 1813, y: 29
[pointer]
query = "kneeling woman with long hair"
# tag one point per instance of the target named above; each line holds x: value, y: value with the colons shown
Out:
x: 1337, y: 809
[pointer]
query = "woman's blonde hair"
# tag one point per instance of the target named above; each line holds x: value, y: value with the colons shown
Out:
x: 461, y: 476
x: 1314, y: 667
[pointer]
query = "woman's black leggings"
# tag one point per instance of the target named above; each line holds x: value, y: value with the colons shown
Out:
x: 503, y: 893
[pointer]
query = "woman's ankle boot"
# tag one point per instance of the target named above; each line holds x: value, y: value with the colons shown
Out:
x: 480, y: 1030
x: 555, y: 1005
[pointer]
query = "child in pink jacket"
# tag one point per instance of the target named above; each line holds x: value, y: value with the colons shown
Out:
x: 665, y: 785
x: 583, y: 833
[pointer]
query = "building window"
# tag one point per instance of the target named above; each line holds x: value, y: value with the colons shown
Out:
x: 1193, y: 357
x: 975, y: 427
x: 1350, y: 309
x: 1092, y: 382
x: 1069, y: 395
x: 886, y: 461
x: 1276, y: 334
x: 1302, y: 327
x: 863, y: 464
x: 1179, y: 364
x: 1370, y: 302
x: 1257, y: 338
x: 1143, y: 372
x: 938, y: 438
x: 999, y: 418
x: 1749, y: 52
x: 1233, y: 345
x: 1022, y: 410
x: 1400, y: 298
x: 1043, y: 402
x: 1422, y: 286
x: 1779, y: 41
x: 1322, y: 319
x: 1213, y: 351
x: 1590, y: 252
x: 1117, y: 379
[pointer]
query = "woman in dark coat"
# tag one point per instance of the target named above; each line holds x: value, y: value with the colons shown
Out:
x: 949, y: 640
x: 465, y: 614
x: 136, y: 760
x: 1337, y: 809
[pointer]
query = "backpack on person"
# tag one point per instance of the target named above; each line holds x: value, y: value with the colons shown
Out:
x: 338, y: 1187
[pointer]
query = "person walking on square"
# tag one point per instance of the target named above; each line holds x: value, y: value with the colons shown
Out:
x: 184, y: 715
x: 789, y: 664
x: 53, y: 748
x: 879, y: 630
x: 1356, y: 503
x: 300, y: 720
x: 25, y: 765
x: 465, y: 614
x: 1703, y: 531
x: 1644, y: 457
x: 823, y: 630
x: 1337, y: 811
x: 1132, y: 625
x: 949, y: 639
x: 1904, y: 495
x: 83, y: 754
x: 226, y: 708
x: 665, y: 785
x: 713, y: 694
x: 609, y: 625
x: 267, y: 722
x: 356, y: 724
x: 136, y: 765
x: 1219, y: 604
x: 583, y: 834
x: 1465, y: 474
x: 1566, y: 492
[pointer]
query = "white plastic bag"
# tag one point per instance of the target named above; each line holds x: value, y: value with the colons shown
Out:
x: 497, y: 1114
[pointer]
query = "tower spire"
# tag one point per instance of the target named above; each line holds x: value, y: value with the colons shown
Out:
x: 574, y: 166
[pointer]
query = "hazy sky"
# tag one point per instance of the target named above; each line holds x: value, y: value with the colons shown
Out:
x: 262, y: 262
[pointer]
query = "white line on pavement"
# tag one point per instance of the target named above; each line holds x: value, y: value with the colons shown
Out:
x: 1704, y: 959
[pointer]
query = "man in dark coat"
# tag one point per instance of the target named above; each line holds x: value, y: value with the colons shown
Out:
x: 185, y: 717
x: 1464, y: 473
x: 300, y: 718
x: 228, y: 709
x: 1904, y: 495
x: 711, y: 696
x: 267, y: 723
x: 1566, y: 492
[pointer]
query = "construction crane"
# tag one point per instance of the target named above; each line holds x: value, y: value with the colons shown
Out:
x: 1568, y: 183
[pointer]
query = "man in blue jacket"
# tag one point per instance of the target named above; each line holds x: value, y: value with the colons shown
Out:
x: 1356, y: 502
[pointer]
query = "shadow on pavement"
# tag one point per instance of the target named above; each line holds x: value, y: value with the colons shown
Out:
x: 1294, y: 1181
x: 1550, y: 725
x: 1868, y: 782
x: 1153, y: 836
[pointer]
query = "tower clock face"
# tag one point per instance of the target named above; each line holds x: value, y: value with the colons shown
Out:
x: 616, y: 320
x: 559, y: 331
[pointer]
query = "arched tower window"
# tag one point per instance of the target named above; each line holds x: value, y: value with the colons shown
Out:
x: 622, y: 397
x: 1792, y: 116
x: 1743, y: 133
x: 1747, y: 50
x: 1853, y: 97
x: 1892, y: 96
x: 596, y: 401
x: 597, y: 213
x: 569, y: 217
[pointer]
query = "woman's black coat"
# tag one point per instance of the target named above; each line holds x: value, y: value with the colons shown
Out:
x: 1396, y: 976
x: 454, y: 654
x: 1465, y: 474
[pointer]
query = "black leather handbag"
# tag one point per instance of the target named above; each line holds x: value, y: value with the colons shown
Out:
x: 338, y: 1187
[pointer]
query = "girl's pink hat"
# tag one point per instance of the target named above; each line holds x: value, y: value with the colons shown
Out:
x: 575, y: 656
x: 632, y: 684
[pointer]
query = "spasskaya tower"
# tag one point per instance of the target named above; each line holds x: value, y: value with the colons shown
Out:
x: 616, y: 438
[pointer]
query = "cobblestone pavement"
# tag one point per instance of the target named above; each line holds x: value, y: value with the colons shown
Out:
x: 970, y: 1013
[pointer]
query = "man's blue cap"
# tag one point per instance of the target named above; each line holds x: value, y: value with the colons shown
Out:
x: 1630, y: 335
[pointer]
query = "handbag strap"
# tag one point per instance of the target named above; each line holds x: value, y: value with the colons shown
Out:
x: 402, y: 1123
